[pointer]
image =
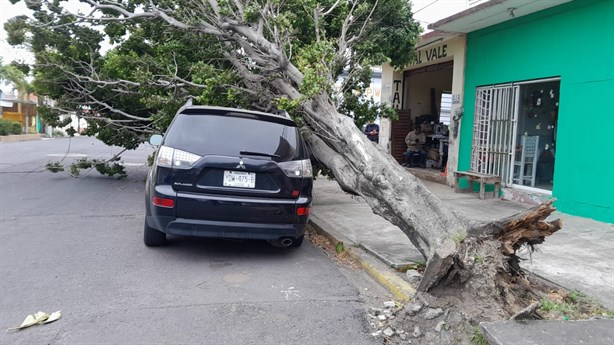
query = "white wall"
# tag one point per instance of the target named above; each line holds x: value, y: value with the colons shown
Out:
x: 392, y: 94
x: 76, y: 123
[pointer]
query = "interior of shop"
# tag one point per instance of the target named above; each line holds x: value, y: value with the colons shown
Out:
x: 536, y: 135
x: 428, y: 99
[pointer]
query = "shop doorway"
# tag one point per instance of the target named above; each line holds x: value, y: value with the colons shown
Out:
x: 514, y: 132
x: 426, y: 100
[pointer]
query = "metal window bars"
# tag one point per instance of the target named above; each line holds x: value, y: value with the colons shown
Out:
x: 494, y: 130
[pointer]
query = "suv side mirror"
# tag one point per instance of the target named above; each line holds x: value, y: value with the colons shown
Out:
x: 155, y: 140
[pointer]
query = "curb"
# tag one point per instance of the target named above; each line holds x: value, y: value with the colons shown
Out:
x: 397, y: 286
x: 19, y: 137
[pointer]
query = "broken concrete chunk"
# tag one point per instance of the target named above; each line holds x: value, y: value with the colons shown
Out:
x: 375, y: 311
x: 389, y: 304
x: 439, y: 326
x: 389, y: 332
x: 413, y: 276
x: 381, y: 317
x: 417, y: 332
x: 403, y: 336
x: 432, y: 313
x: 413, y: 308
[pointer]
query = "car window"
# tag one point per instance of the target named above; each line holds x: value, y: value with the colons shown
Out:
x: 228, y: 135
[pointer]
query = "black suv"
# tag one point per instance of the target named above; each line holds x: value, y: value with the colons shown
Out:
x: 229, y: 173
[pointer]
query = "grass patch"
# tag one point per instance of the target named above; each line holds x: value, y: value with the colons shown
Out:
x: 477, y: 338
x: 573, y: 305
x: 418, y: 266
x: 479, y: 258
x: 459, y: 237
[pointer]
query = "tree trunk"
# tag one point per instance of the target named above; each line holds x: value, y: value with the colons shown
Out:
x: 361, y: 166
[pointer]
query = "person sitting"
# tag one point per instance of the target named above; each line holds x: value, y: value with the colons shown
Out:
x: 415, y: 147
x: 372, y: 131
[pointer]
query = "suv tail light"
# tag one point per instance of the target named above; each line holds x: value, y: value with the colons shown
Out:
x: 173, y: 158
x: 163, y: 202
x: 300, y: 168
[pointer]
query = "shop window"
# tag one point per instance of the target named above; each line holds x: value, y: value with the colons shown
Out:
x: 514, y: 132
x: 537, y: 123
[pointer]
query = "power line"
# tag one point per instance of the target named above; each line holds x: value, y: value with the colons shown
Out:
x: 426, y: 6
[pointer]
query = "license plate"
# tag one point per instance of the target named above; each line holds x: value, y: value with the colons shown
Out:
x: 239, y: 179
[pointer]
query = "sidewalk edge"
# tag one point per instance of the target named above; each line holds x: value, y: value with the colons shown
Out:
x: 398, y: 287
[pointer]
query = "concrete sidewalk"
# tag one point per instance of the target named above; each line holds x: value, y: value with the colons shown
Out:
x: 578, y: 257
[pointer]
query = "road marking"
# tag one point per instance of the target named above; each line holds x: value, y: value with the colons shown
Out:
x: 291, y: 293
x: 236, y: 278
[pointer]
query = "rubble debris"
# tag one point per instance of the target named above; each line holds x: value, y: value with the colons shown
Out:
x: 413, y: 308
x: 389, y: 332
x: 389, y: 304
x: 432, y: 313
x: 439, y: 326
x: 413, y: 277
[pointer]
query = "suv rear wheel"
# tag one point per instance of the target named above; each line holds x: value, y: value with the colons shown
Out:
x: 153, y: 237
x: 298, y: 241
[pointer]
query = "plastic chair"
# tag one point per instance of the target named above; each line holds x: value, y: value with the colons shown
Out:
x: 528, y: 160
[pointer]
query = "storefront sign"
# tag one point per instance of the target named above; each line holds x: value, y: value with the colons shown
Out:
x: 396, y: 97
x: 427, y: 55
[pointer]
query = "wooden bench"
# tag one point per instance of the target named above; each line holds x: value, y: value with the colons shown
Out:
x: 483, y: 179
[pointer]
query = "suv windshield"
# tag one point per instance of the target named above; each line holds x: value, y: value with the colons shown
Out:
x: 230, y: 135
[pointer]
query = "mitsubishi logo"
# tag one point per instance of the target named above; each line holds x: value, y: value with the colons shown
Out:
x: 241, y: 166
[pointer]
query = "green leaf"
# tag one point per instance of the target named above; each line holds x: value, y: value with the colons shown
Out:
x: 339, y: 248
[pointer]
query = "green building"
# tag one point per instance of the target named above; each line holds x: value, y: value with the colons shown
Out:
x: 538, y: 102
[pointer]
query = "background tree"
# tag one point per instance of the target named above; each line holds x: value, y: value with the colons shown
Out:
x: 265, y: 54
x: 16, y: 75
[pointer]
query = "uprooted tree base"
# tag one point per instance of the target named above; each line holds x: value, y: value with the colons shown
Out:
x: 494, y: 244
x: 483, y: 283
x: 451, y: 314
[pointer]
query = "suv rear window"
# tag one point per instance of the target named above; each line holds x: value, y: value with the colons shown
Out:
x: 228, y: 135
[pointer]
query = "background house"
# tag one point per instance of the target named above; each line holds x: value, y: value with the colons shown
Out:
x: 22, y: 109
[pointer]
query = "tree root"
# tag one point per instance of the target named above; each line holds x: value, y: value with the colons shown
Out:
x: 526, y: 312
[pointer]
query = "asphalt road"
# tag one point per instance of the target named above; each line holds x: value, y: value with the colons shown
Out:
x: 75, y: 245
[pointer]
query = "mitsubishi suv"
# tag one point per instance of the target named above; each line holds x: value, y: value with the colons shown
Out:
x: 229, y: 173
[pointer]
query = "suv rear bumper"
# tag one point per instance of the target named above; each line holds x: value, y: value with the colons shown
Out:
x: 217, y: 229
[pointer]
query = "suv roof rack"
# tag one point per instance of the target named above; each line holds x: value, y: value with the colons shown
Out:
x: 281, y: 112
x: 189, y: 104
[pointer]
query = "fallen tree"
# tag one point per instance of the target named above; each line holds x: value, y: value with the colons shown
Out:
x: 281, y: 54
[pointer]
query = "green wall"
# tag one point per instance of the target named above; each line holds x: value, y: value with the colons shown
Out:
x: 573, y: 41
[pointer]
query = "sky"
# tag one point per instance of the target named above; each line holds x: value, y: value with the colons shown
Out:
x: 425, y: 11
x: 8, y: 53
x: 430, y: 11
